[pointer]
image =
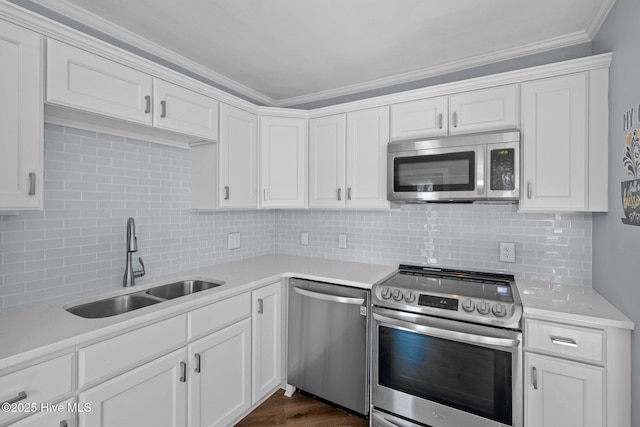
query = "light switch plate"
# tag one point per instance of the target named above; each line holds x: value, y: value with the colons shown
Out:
x: 507, y: 252
x: 304, y: 238
x: 233, y: 241
x: 342, y: 241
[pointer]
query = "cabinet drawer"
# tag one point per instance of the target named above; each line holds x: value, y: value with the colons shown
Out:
x: 41, y: 383
x: 218, y: 315
x: 571, y: 341
x: 107, y: 357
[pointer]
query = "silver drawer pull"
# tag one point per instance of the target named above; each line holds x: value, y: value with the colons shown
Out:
x: 440, y: 121
x: 183, y: 372
x: 163, y: 104
x: 534, y: 377
x: 260, y: 306
x: 147, y: 99
x: 226, y: 193
x: 339, y: 193
x: 21, y: 396
x: 63, y: 424
x: 569, y: 342
x: 198, y: 362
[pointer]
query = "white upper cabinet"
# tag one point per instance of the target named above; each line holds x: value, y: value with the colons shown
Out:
x: 182, y: 110
x: 238, y: 158
x: 283, y: 162
x: 366, y: 176
x: 90, y: 83
x: 348, y: 160
x: 327, y: 161
x: 21, y: 124
x: 483, y: 110
x: 467, y: 112
x: 84, y: 81
x: 424, y: 118
x: 564, y: 149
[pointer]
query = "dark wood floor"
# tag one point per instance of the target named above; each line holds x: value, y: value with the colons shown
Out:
x: 299, y: 410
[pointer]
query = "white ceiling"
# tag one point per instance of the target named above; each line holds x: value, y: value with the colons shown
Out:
x: 287, y: 52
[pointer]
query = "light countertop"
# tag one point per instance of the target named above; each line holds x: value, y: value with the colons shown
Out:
x: 42, y: 330
x: 569, y: 303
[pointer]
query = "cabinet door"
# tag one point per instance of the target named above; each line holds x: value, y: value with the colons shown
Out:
x: 424, y: 118
x: 238, y: 158
x: 220, y: 378
x: 561, y: 393
x: 483, y: 110
x: 267, y: 340
x: 327, y: 140
x: 367, y: 138
x: 554, y: 144
x: 20, y: 118
x: 283, y: 162
x: 184, y: 111
x: 155, y: 394
x: 85, y: 81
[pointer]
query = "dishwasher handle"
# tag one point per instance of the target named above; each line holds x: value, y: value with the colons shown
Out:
x: 329, y: 297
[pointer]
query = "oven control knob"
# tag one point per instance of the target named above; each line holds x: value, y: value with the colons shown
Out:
x: 483, y: 307
x: 385, y: 293
x: 409, y: 297
x: 397, y: 295
x: 468, y: 305
x: 499, y: 310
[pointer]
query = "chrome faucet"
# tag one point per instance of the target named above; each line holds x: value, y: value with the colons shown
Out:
x: 132, y: 246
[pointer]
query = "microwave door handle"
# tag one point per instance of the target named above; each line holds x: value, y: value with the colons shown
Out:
x: 448, y: 334
x: 480, y: 173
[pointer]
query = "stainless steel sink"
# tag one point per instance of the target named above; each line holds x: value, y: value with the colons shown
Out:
x: 185, y: 287
x: 112, y: 306
x: 129, y: 302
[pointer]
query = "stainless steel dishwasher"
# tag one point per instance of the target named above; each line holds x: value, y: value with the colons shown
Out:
x: 328, y: 342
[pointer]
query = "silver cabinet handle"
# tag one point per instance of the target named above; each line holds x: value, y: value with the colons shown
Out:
x: 349, y: 193
x: 148, y: 100
x: 529, y: 189
x: 197, y: 356
x: 339, y: 193
x: 265, y: 194
x: 226, y: 193
x: 163, y: 104
x: 454, y: 119
x: 534, y: 377
x: 260, y: 306
x: 183, y: 372
x: 63, y: 424
x: 21, y: 396
x: 568, y: 342
x: 440, y: 120
x: 32, y: 183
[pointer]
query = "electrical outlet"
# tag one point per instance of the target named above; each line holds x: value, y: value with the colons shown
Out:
x: 342, y: 241
x: 233, y: 241
x: 304, y: 238
x: 507, y: 252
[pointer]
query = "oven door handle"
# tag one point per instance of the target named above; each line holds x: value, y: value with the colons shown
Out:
x: 448, y: 334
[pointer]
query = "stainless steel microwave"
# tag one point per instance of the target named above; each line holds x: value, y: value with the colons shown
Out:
x: 462, y: 168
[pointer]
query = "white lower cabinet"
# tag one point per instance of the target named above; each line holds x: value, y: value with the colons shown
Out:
x: 154, y: 394
x: 563, y: 393
x: 267, y: 340
x: 220, y: 376
x: 61, y: 414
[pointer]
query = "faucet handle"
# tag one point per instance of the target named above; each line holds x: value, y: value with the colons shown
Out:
x: 142, y: 272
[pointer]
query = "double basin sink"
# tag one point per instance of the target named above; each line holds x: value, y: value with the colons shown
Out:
x: 124, y: 303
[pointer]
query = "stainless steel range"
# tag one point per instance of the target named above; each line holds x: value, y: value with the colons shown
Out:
x: 447, y: 349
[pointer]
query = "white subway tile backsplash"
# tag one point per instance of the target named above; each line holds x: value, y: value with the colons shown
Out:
x: 94, y: 182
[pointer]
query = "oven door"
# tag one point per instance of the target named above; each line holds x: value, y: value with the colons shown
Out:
x: 453, y: 173
x: 445, y: 373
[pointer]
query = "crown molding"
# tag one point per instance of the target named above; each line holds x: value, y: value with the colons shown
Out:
x: 100, y: 24
x: 600, y: 17
x: 571, y: 66
x: 450, y: 67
